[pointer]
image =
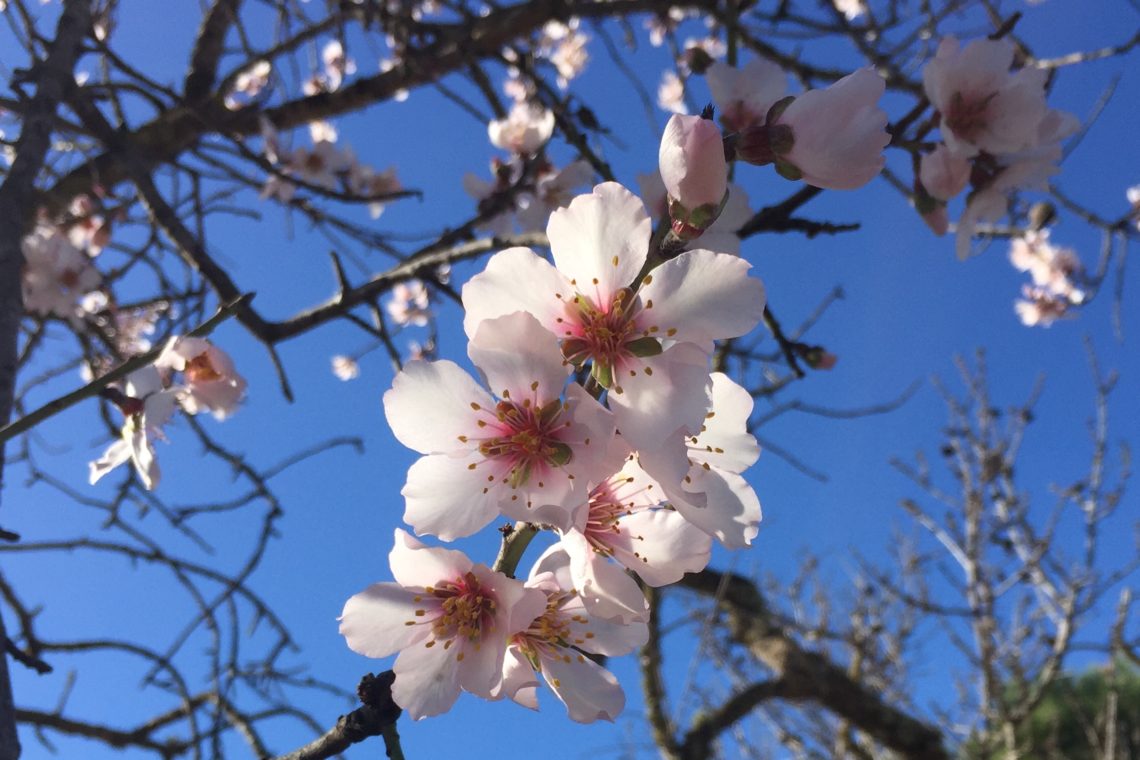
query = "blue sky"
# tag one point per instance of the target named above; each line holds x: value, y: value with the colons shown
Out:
x: 909, y: 307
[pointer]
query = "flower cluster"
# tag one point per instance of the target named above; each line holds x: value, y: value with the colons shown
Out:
x: 1052, y: 269
x: 150, y: 396
x: 526, y: 187
x: 324, y: 167
x: 998, y: 135
x: 598, y: 419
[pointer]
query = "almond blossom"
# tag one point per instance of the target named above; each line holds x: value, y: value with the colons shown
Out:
x: 671, y: 93
x: 625, y: 525
x: 524, y: 131
x: 839, y: 133
x: 345, y: 367
x: 1039, y: 307
x: 646, y: 342
x: 248, y: 85
x: 529, y: 451
x: 554, y: 643
x: 56, y: 274
x: 211, y: 383
x: 744, y: 95
x: 337, y: 64
x: 713, y: 495
x: 984, y: 107
x: 1051, y: 267
x: 1000, y: 177
x: 410, y: 304
x: 565, y: 47
x: 449, y: 619
x: 147, y: 406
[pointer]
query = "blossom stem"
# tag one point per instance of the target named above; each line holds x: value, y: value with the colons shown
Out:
x: 515, y: 541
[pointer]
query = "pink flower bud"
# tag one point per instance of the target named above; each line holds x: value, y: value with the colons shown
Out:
x: 839, y: 133
x: 692, y: 162
x: 944, y: 173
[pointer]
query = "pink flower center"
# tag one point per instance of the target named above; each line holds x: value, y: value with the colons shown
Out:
x: 526, y: 438
x: 201, y: 370
x: 604, y: 521
x: 967, y: 118
x: 466, y: 610
x: 607, y: 337
x: 551, y: 632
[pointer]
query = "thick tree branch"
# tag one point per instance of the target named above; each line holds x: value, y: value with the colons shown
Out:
x: 17, y: 202
x: 814, y: 676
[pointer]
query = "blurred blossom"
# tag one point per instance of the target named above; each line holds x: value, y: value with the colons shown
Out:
x: 524, y: 131
x: 56, y: 274
x: 410, y: 304
x: 210, y: 380
x: 248, y: 85
x: 1051, y: 267
x: 337, y: 64
x: 852, y: 9
x: 671, y: 93
x: 345, y: 367
x: 661, y: 25
x: 1039, y: 307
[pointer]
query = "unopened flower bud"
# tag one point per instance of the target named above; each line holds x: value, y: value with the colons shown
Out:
x: 692, y: 161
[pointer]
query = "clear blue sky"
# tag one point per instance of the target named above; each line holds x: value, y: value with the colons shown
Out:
x: 910, y: 306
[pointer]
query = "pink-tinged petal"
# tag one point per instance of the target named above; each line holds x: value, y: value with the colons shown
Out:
x: 600, y: 241
x: 516, y: 279
x: 731, y: 512
x: 840, y: 132
x: 116, y: 454
x: 589, y: 691
x: 480, y: 668
x: 605, y: 637
x: 429, y: 406
x: 724, y: 440
x: 427, y: 680
x: 671, y: 395
x: 159, y: 407
x: 944, y: 173
x: 668, y: 463
x: 606, y: 591
x: 143, y: 382
x: 703, y: 296
x: 519, y: 682
x: 555, y: 564
x: 1015, y: 113
x: 445, y: 497
x: 660, y: 546
x: 520, y: 358
x: 374, y: 622
x: 592, y: 436
x: 415, y: 565
x: 517, y: 605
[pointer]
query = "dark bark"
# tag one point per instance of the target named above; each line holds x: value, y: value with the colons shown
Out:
x: 51, y: 78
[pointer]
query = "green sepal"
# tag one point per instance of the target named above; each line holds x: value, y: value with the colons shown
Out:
x: 560, y: 454
x: 643, y: 347
x: 788, y: 171
x: 603, y: 373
